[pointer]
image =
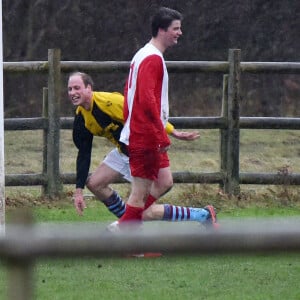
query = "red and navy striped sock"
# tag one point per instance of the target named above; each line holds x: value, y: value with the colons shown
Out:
x: 115, y: 204
x: 181, y: 213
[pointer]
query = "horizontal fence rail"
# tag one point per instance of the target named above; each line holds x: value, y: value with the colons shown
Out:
x: 26, y: 179
x: 65, y: 240
x: 180, y: 122
x: 173, y: 66
x: 269, y: 123
x: 269, y: 178
x: 25, y: 123
x: 178, y: 177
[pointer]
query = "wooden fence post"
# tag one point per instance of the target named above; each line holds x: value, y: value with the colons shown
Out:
x: 20, y: 270
x: 54, y: 185
x: 233, y: 130
x: 45, y: 115
x: 223, y: 131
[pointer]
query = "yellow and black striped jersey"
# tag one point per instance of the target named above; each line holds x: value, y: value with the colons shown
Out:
x: 104, y: 118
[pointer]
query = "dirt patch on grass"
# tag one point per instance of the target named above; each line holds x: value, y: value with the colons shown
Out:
x: 194, y: 195
x: 25, y: 200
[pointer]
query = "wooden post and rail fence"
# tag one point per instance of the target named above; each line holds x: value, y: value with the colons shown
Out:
x: 230, y: 122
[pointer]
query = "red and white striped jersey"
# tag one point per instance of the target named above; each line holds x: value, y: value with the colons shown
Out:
x: 146, y: 107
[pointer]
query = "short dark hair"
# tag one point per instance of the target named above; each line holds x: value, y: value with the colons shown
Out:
x: 87, y: 79
x: 163, y: 19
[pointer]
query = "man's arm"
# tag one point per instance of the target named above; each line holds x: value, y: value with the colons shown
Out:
x: 185, y: 135
x: 83, y: 140
x: 150, y: 84
x: 181, y: 135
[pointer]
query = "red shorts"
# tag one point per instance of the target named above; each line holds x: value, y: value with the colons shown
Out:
x: 146, y: 163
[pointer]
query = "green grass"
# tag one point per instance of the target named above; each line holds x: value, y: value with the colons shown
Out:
x: 213, y: 277
x: 186, y: 277
x: 258, y: 276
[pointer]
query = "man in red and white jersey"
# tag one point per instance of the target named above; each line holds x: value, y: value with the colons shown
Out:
x: 146, y: 112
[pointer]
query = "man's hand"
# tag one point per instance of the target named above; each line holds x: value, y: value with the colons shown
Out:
x: 79, y: 202
x: 184, y: 135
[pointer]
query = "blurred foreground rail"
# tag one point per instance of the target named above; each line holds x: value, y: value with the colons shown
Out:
x: 22, y: 244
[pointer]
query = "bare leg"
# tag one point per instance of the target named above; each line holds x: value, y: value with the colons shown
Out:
x: 98, y: 183
x: 160, y: 186
x: 163, y: 183
x: 154, y: 212
x: 140, y: 190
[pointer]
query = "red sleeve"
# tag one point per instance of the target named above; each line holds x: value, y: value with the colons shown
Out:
x: 150, y: 79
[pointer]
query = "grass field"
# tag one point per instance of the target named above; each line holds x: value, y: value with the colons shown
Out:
x: 215, y: 277
x: 260, y: 276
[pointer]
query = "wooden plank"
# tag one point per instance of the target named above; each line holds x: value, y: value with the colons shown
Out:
x: 232, y: 180
x: 54, y: 186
